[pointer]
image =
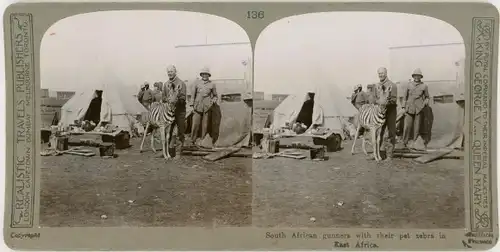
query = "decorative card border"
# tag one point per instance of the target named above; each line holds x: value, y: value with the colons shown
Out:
x: 24, y: 132
x: 23, y: 38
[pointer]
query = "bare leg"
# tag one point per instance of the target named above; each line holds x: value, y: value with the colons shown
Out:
x: 355, y: 138
x: 144, y: 136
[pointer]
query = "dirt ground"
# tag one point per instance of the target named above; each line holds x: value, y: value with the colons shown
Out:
x: 352, y: 191
x: 137, y: 189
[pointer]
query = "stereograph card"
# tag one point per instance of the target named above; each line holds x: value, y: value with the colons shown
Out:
x: 251, y: 125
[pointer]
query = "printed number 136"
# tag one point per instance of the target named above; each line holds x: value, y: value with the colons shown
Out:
x: 255, y: 14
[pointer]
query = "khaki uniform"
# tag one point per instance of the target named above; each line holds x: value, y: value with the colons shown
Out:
x: 204, y: 96
x: 415, y: 99
x: 178, y: 87
x: 139, y: 96
x: 147, y: 98
x: 157, y: 96
x: 359, y: 99
x: 391, y: 112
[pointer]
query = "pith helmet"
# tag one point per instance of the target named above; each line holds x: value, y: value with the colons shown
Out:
x: 417, y: 72
x: 358, y: 86
x: 205, y: 70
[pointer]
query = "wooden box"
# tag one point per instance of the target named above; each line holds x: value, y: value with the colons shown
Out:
x: 60, y: 143
x: 332, y: 143
x: 121, y: 140
x: 107, y: 150
x: 257, y: 138
x: 274, y: 146
x: 45, y: 135
x: 318, y: 153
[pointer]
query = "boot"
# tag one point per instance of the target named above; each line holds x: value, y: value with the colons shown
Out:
x: 178, y: 150
x: 389, y: 150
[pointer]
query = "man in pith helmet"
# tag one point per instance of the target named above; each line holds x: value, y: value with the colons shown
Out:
x: 359, y: 97
x: 391, y: 112
x: 415, y: 99
x: 147, y: 96
x: 175, y: 86
x: 140, y: 94
x: 204, y: 97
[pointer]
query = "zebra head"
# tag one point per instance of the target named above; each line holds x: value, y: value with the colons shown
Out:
x: 385, y: 95
x: 171, y: 101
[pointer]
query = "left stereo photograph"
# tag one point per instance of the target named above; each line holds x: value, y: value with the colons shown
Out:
x: 138, y: 117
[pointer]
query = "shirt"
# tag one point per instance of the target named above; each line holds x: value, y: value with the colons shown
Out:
x: 147, y: 96
x: 417, y: 94
x: 139, y: 96
x: 204, y: 95
x: 359, y: 98
x: 382, y: 86
x: 176, y: 86
x: 157, y: 96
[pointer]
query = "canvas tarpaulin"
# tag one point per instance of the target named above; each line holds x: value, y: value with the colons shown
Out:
x: 446, y: 126
x: 230, y: 125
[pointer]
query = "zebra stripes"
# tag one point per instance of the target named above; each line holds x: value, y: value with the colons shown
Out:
x: 160, y: 113
x: 372, y: 117
x: 161, y: 116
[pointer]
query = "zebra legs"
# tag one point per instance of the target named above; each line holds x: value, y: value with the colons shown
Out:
x: 364, y: 143
x: 165, y: 150
x: 144, y: 136
x: 378, y: 138
x: 355, y: 138
x: 375, y: 144
x: 153, y: 140
x: 168, y: 139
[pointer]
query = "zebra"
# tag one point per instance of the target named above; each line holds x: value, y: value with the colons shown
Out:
x: 161, y: 116
x: 372, y: 117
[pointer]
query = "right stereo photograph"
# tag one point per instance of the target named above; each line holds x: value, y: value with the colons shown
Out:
x: 358, y: 121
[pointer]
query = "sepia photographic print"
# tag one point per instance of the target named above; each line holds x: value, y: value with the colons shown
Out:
x: 347, y: 75
x: 109, y: 82
x: 250, y: 126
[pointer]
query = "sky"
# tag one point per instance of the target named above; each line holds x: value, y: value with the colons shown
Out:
x: 126, y: 48
x: 344, y: 48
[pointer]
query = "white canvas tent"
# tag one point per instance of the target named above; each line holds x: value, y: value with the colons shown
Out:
x: 331, y: 109
x: 117, y: 108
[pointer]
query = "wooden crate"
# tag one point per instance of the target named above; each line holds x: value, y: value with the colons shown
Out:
x: 121, y: 140
x: 61, y: 143
x: 317, y: 153
x: 257, y: 138
x: 107, y: 150
x: 274, y: 146
x: 45, y: 135
x: 332, y: 143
